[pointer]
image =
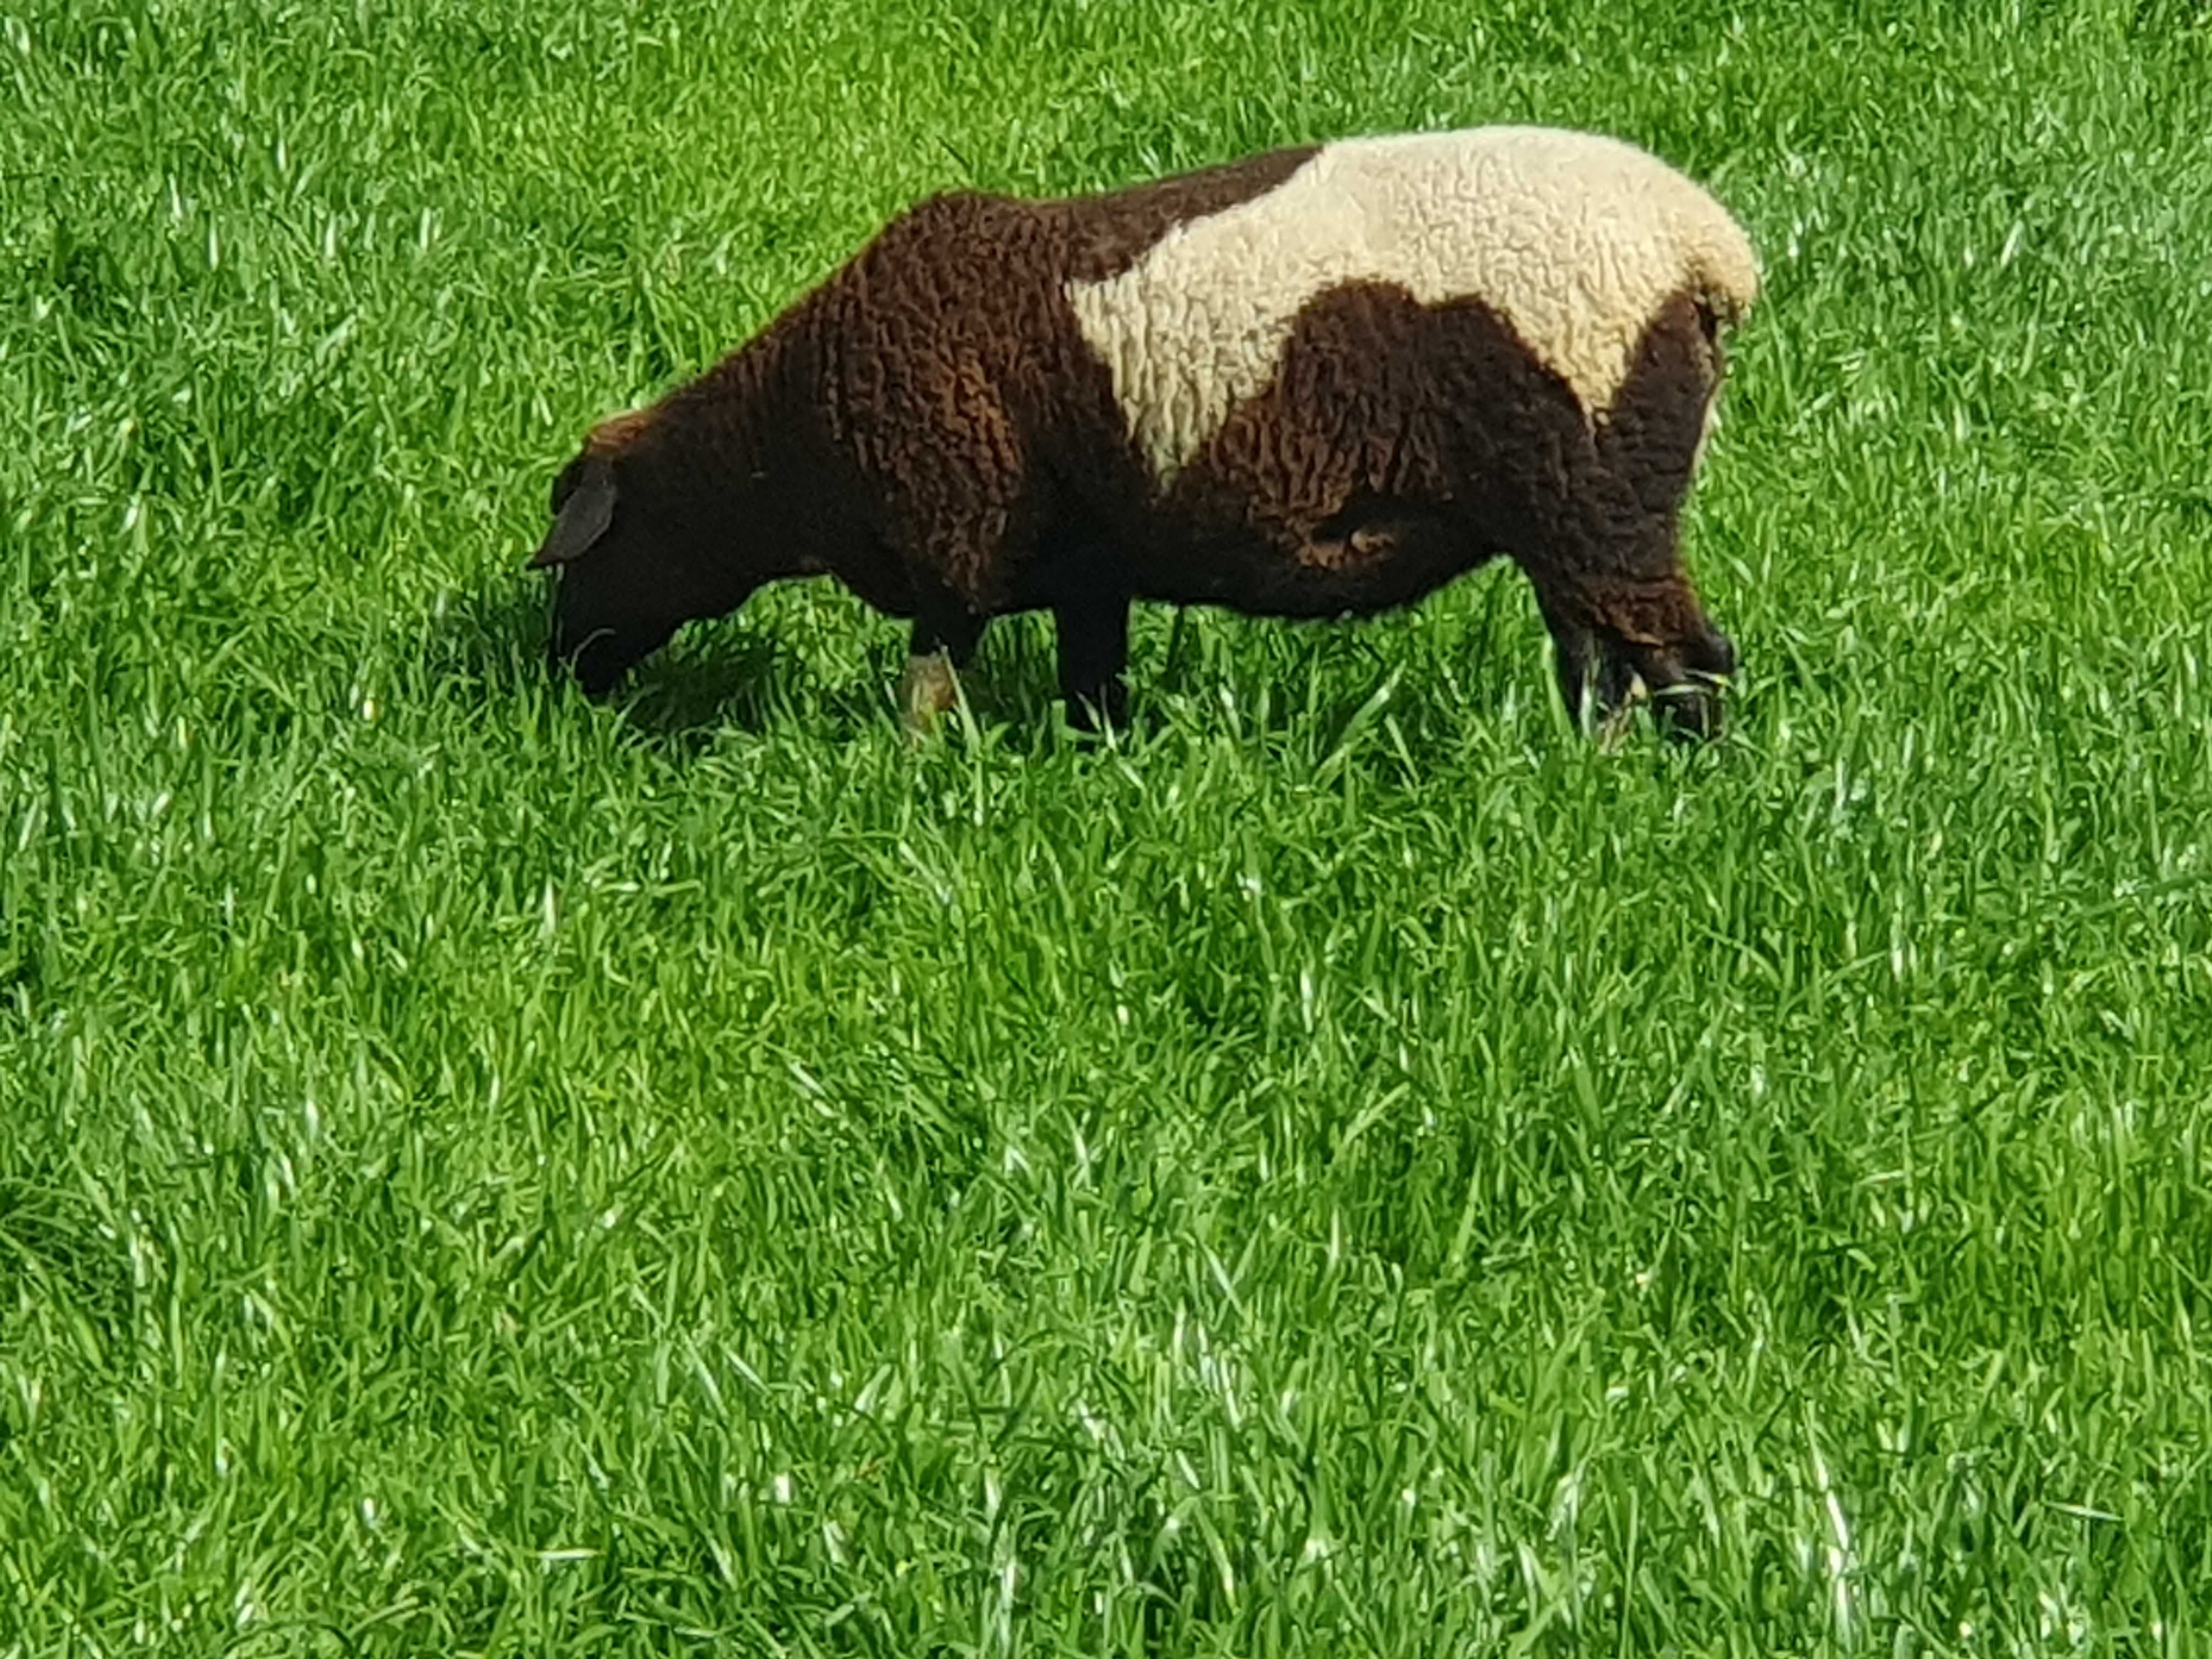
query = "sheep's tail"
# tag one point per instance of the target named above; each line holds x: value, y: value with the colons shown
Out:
x: 1723, y: 270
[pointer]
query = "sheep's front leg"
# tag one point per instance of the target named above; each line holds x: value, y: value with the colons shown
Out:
x: 944, y: 639
x: 1094, y: 654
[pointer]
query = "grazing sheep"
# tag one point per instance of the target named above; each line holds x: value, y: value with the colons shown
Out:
x: 1320, y: 382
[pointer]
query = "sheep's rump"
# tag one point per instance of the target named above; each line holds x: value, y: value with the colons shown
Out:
x: 1577, y: 241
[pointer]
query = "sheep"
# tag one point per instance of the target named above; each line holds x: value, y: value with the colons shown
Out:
x: 1320, y: 382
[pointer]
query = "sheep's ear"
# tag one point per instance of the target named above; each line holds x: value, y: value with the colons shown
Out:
x: 583, y: 518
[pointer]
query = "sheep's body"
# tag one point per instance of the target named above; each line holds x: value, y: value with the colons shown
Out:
x: 1318, y: 381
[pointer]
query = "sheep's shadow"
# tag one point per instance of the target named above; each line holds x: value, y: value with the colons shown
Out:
x: 489, y: 639
x: 488, y: 642
x: 738, y: 679
x: 1431, y: 672
x: 1292, y: 686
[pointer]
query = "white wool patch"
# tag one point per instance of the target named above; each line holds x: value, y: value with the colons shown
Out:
x: 1575, y: 239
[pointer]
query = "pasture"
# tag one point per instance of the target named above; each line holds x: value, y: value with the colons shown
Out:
x: 1349, y: 1169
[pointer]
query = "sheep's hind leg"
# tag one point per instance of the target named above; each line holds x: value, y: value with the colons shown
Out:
x: 1094, y: 655
x: 1595, y: 684
x: 944, y: 641
x: 1622, y: 639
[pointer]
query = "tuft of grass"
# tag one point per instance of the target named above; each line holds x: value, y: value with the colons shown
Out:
x: 1348, y: 1170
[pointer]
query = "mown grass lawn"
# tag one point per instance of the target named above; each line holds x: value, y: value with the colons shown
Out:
x: 1351, y: 1170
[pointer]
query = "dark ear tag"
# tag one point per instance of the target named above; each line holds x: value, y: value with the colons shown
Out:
x: 583, y: 518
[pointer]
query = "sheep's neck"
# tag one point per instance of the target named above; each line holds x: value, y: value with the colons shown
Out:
x: 741, y: 429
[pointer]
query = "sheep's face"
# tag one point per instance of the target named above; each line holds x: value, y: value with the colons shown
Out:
x: 627, y: 573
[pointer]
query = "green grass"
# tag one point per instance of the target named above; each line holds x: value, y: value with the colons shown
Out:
x: 1350, y: 1170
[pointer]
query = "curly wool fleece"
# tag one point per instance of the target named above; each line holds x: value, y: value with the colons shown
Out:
x: 1576, y: 240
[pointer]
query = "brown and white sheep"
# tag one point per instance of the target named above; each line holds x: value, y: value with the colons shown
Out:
x: 1318, y: 381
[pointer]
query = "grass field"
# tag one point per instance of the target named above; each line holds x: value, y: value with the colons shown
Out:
x: 1351, y: 1170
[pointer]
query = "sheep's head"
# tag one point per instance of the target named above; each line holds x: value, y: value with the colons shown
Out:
x: 630, y: 557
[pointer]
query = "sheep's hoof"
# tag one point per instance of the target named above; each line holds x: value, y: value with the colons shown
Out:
x: 926, y: 691
x: 1690, y: 712
x: 1613, y: 725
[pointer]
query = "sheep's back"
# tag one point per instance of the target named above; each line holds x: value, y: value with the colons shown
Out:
x: 1575, y: 240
